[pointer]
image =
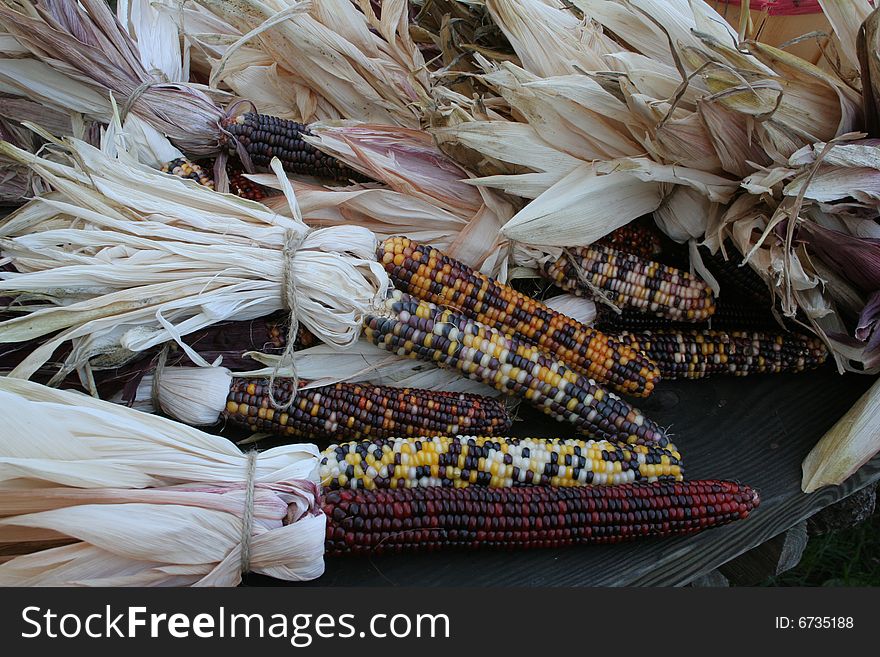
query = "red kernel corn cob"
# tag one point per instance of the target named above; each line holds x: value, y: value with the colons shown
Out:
x: 418, y: 329
x: 246, y: 188
x: 696, y: 354
x: 428, y: 519
x: 632, y: 282
x: 429, y: 275
x: 351, y: 410
x: 497, y: 462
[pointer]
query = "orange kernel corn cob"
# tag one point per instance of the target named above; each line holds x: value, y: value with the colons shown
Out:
x: 428, y: 274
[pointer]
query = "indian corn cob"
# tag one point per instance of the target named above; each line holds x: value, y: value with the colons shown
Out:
x: 734, y: 277
x: 184, y: 168
x: 696, y: 354
x: 264, y: 137
x: 427, y: 274
x: 729, y: 315
x: 419, y: 329
x: 634, y: 238
x: 245, y: 188
x: 352, y: 410
x: 632, y: 282
x: 427, y: 519
x: 238, y: 183
x: 497, y: 462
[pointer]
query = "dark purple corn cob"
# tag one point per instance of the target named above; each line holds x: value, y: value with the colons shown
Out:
x: 264, y: 137
x: 695, y: 354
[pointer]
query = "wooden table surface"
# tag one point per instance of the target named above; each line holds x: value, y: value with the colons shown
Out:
x: 756, y: 430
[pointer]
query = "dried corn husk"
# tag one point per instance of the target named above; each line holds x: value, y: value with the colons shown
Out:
x: 847, y: 446
x: 549, y: 39
x: 88, y: 45
x: 667, y: 108
x: 130, y: 267
x: 343, y: 61
x: 427, y: 193
x: 95, y: 494
x: 578, y: 308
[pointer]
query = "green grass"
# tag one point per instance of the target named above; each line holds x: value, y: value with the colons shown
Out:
x: 850, y: 557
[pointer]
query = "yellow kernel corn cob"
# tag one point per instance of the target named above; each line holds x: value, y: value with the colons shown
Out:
x: 429, y: 275
x: 497, y: 462
x: 632, y: 282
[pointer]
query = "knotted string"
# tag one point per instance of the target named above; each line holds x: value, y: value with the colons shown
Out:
x: 134, y: 95
x: 293, y: 240
x: 247, y: 518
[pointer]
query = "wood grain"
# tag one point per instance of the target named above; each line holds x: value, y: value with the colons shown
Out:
x: 756, y: 430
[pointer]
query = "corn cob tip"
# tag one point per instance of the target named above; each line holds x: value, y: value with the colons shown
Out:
x: 184, y: 168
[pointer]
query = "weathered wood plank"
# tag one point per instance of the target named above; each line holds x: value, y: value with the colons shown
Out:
x: 756, y: 430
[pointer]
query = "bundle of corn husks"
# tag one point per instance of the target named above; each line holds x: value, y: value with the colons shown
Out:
x: 95, y: 494
x: 122, y: 268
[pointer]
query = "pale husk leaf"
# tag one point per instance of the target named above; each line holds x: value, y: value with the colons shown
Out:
x: 549, y: 39
x: 582, y: 207
x: 847, y: 446
x: 145, y: 500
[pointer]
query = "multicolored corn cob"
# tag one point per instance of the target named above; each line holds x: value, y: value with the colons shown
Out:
x: 418, y: 329
x: 497, y: 462
x: 735, y: 278
x: 428, y: 274
x: 696, y: 354
x: 428, y: 519
x: 245, y: 188
x: 632, y: 282
x: 264, y: 137
x: 729, y: 315
x: 635, y: 238
x: 238, y: 183
x: 183, y: 168
x: 351, y: 410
